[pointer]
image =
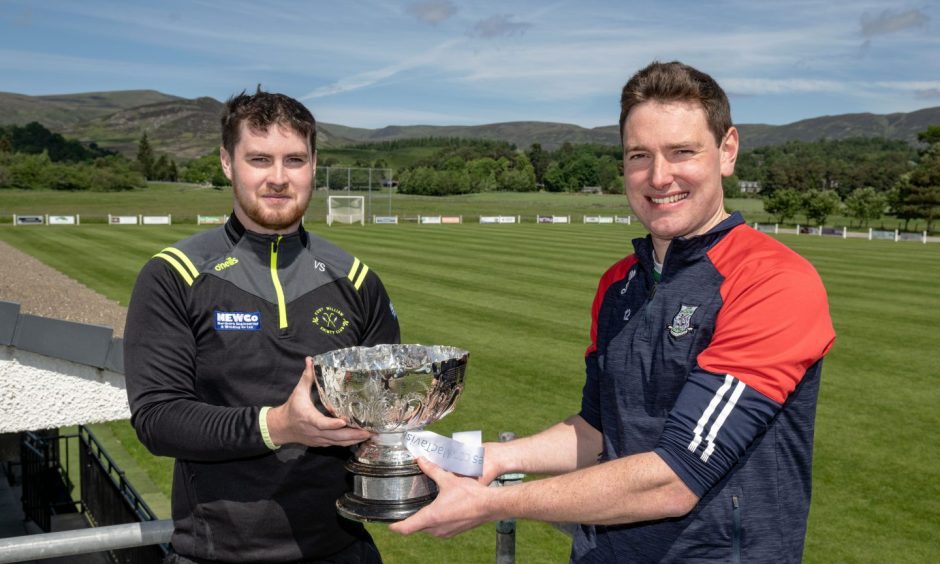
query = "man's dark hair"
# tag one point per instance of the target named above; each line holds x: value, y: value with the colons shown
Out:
x: 261, y: 110
x: 677, y: 82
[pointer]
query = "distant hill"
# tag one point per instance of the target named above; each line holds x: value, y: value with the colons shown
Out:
x: 189, y: 128
x: 520, y: 133
x: 63, y: 110
x: 892, y: 126
x: 183, y: 128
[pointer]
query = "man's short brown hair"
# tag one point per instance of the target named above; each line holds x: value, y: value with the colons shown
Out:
x: 677, y: 82
x: 260, y: 111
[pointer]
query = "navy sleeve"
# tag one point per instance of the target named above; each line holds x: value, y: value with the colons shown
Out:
x: 590, y: 393
x: 715, y: 419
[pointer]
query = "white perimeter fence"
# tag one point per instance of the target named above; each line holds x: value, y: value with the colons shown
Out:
x: 773, y: 228
x: 844, y: 233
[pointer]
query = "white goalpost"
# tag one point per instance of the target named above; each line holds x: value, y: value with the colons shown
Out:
x: 346, y: 209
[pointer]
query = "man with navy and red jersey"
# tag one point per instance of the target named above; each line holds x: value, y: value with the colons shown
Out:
x: 695, y: 435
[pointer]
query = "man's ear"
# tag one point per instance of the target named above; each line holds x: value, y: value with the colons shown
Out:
x: 226, y: 161
x: 729, y: 151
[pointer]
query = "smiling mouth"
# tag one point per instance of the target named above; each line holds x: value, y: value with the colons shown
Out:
x: 670, y: 199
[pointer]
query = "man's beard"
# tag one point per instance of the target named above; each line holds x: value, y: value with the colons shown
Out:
x: 271, y: 219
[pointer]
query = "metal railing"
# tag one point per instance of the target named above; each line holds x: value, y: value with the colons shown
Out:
x: 47, y: 485
x: 120, y: 518
x: 106, y: 495
x: 113, y: 539
x: 110, y: 499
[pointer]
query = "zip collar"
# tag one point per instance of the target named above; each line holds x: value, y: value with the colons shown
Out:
x: 684, y: 250
x: 235, y: 231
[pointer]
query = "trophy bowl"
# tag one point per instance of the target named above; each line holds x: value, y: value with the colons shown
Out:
x: 388, y: 390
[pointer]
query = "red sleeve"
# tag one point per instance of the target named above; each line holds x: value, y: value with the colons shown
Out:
x: 774, y: 322
x: 616, y: 272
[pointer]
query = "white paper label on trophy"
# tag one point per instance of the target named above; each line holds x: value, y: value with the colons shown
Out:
x: 469, y: 438
x: 455, y: 456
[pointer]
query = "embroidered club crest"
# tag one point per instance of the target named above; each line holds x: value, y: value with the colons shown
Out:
x: 330, y: 320
x: 681, y: 322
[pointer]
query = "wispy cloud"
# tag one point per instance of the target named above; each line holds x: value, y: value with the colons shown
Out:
x: 757, y: 86
x: 432, y: 11
x: 889, y: 21
x: 372, y: 77
x: 441, y: 61
x: 499, y: 25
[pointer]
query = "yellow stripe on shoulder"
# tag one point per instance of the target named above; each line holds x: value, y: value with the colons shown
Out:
x: 177, y: 266
x: 357, y: 276
x: 362, y: 276
x: 353, y: 269
x: 193, y: 271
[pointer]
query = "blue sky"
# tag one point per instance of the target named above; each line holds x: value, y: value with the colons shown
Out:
x: 371, y: 63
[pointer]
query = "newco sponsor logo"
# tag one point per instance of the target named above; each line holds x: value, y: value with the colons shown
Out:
x: 229, y: 261
x: 237, y: 321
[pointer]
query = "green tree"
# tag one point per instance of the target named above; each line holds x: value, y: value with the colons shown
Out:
x: 539, y: 160
x: 924, y: 187
x: 820, y: 204
x: 30, y: 172
x: 165, y: 169
x: 897, y: 197
x: 784, y: 204
x: 205, y: 170
x: 609, y: 176
x: 865, y: 204
x: 555, y: 179
x: 145, y: 157
x: 518, y: 178
x: 731, y: 186
x: 930, y: 136
x: 482, y: 173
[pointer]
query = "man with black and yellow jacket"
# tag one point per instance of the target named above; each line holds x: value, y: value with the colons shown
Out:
x: 219, y: 328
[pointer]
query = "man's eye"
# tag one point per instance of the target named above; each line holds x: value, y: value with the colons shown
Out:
x: 636, y: 156
x: 258, y: 160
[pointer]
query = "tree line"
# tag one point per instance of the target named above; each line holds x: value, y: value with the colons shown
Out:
x: 864, y: 177
x: 34, y: 158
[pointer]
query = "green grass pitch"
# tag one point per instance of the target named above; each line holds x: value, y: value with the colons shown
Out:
x: 518, y: 298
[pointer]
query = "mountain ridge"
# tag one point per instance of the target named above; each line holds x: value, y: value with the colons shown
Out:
x: 186, y: 128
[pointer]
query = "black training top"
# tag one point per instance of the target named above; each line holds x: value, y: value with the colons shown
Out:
x: 218, y: 326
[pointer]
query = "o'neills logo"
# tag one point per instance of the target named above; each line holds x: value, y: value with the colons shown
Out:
x: 229, y: 261
x: 330, y: 320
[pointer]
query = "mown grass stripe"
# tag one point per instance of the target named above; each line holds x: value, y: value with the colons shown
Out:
x: 518, y: 297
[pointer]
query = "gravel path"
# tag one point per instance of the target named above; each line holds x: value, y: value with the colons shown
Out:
x: 42, y: 290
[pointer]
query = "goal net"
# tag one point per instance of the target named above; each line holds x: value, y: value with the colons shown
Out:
x: 345, y: 209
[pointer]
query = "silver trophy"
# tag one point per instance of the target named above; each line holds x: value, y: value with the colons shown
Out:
x: 388, y: 390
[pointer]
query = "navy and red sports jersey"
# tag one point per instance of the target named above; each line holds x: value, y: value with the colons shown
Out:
x: 716, y: 369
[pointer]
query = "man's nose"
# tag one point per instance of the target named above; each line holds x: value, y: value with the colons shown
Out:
x: 661, y: 173
x: 278, y: 175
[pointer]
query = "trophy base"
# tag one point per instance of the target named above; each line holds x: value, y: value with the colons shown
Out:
x: 356, y: 508
x: 385, y: 493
